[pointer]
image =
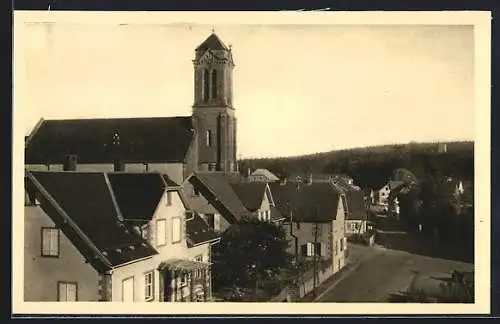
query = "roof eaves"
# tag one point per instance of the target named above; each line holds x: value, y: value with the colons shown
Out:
x: 135, y: 260
x: 34, y: 131
x: 68, y: 219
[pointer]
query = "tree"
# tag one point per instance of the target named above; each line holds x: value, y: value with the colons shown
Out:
x: 248, y: 253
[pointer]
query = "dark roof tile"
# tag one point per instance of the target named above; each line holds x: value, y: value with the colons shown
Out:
x: 251, y: 194
x: 213, y: 42
x: 316, y: 202
x: 198, y: 231
x: 218, y: 184
x: 137, y: 194
x: 151, y: 140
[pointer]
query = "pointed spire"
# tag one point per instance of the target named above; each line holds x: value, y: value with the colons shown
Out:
x: 213, y: 42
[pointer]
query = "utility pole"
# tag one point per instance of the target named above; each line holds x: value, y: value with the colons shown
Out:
x: 315, y: 267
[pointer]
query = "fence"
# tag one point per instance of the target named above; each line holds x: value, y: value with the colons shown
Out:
x: 304, y: 282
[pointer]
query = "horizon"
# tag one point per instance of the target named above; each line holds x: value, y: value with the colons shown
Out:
x: 377, y: 69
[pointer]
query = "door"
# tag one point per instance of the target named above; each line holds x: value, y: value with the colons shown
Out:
x: 128, y: 290
x: 167, y: 285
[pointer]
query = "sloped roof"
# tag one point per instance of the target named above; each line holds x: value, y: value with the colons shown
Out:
x: 251, y: 194
x: 275, y: 214
x: 138, y: 194
x: 198, y: 231
x: 221, y: 191
x: 356, y: 205
x: 213, y: 42
x: 316, y: 202
x: 81, y: 204
x: 266, y: 173
x: 152, y: 140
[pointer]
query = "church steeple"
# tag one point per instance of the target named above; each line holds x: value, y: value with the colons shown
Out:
x: 213, y: 109
x: 213, y: 69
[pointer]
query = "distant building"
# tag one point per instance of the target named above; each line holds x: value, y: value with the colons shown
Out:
x: 113, y: 237
x: 442, y: 147
x: 263, y: 175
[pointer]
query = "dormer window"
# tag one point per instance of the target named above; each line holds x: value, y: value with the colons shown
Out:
x: 145, y: 231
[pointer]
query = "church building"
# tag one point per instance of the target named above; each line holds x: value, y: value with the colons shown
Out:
x: 176, y: 146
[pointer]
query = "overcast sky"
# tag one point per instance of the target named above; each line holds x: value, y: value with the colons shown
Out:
x: 297, y: 89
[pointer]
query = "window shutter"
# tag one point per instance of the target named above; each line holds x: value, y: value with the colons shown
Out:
x: 62, y: 292
x: 303, y: 249
x: 319, y: 249
x: 71, y: 292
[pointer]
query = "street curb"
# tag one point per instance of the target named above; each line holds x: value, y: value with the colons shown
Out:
x: 345, y: 274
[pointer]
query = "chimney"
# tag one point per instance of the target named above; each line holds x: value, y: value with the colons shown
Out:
x: 119, y: 165
x: 70, y: 163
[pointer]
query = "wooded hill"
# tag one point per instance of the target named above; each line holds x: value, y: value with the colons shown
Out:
x: 371, y: 167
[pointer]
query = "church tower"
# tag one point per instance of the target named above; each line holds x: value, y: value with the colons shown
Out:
x: 213, y: 110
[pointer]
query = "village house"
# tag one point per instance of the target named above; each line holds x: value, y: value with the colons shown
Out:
x: 314, y: 220
x: 356, y: 217
x: 94, y: 236
x: 176, y: 146
x: 223, y: 199
x: 263, y: 175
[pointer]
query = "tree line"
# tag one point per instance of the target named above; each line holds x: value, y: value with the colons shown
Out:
x: 371, y: 167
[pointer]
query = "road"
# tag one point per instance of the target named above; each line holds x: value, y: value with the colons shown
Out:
x: 393, y: 263
x: 381, y: 272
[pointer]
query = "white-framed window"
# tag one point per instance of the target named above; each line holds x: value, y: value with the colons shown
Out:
x: 149, y: 286
x: 176, y: 229
x: 161, y: 232
x: 67, y: 291
x: 208, y: 137
x: 128, y: 289
x: 50, y: 242
x: 310, y: 249
x: 212, y: 166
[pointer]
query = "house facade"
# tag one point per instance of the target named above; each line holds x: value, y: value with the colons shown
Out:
x: 314, y: 221
x: 113, y: 237
x: 175, y: 146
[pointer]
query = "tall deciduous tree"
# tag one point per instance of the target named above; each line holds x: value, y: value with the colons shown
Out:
x: 248, y: 253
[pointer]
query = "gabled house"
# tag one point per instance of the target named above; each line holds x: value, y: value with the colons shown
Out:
x: 263, y: 175
x: 383, y: 194
x: 113, y: 237
x: 314, y: 220
x: 223, y: 199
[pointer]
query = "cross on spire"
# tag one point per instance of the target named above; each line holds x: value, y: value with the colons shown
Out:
x: 213, y: 30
